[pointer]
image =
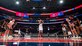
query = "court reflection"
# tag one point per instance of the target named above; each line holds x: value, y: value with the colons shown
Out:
x: 40, y: 44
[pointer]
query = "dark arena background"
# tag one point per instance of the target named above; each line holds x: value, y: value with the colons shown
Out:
x: 40, y: 22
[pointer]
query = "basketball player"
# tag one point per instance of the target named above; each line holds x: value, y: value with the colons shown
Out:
x: 77, y: 25
x: 81, y: 26
x: 40, y: 21
x: 64, y: 29
x: 72, y: 27
x: 11, y: 23
x: 9, y: 26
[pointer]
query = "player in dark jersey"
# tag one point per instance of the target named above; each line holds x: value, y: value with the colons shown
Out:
x: 71, y: 26
x: 74, y: 25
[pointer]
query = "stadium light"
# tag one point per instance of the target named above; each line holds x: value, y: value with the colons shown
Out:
x: 33, y: 8
x: 17, y: 2
x: 44, y: 7
x: 61, y: 1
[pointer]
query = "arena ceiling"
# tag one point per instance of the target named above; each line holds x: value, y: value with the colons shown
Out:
x: 39, y: 6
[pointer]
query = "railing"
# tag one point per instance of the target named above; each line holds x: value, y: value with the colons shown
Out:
x: 43, y: 23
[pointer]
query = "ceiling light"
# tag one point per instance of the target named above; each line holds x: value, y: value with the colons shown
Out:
x: 33, y: 8
x: 27, y: 0
x: 61, y: 1
x: 17, y: 2
x: 44, y: 7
